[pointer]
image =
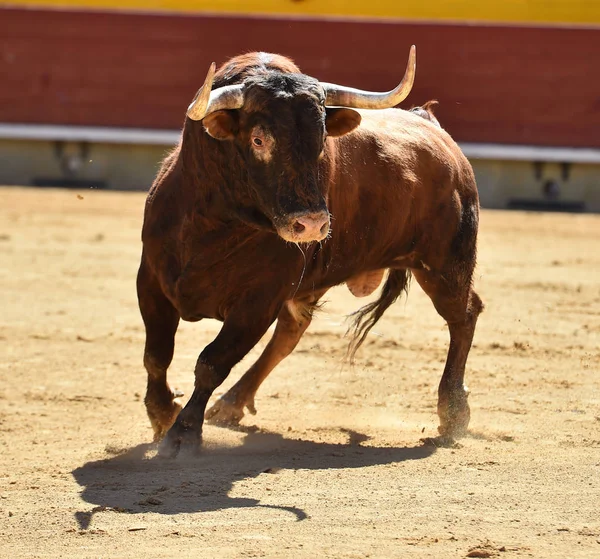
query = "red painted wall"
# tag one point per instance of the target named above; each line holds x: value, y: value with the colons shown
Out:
x: 500, y: 84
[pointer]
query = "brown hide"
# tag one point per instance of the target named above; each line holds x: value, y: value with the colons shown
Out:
x: 401, y: 196
x: 396, y: 194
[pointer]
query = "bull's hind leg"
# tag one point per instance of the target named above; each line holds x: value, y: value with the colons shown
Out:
x: 292, y: 322
x: 455, y: 300
x: 450, y: 288
x: 161, y: 320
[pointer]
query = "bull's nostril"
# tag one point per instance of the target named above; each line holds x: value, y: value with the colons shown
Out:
x: 298, y: 227
x: 324, y: 228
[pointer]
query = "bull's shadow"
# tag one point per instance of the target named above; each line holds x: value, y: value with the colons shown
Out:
x: 131, y: 483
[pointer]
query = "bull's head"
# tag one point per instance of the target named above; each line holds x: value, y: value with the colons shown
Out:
x: 279, y: 123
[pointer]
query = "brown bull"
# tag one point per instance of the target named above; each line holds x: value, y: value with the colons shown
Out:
x: 278, y: 191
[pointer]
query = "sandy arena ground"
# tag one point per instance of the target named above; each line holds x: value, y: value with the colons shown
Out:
x: 332, y: 465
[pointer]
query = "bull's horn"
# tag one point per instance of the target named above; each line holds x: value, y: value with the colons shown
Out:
x: 341, y: 96
x: 207, y: 101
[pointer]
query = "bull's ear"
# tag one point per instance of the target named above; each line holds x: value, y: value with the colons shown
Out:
x: 221, y: 125
x: 341, y: 121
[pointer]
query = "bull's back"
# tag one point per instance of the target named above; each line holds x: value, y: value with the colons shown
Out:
x: 404, y: 143
x: 395, y: 176
x: 395, y: 156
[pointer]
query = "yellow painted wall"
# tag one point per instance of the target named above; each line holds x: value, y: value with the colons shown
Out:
x: 571, y: 12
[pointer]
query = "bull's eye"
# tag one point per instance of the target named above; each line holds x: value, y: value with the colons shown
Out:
x: 261, y: 143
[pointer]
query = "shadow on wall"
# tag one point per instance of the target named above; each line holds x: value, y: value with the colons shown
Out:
x: 131, y: 483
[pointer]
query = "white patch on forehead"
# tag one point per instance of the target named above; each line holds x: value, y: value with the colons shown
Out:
x: 281, y: 94
x: 265, y: 58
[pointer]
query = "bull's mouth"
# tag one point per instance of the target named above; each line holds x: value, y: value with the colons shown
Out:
x: 256, y: 219
x: 299, y: 227
x: 304, y: 227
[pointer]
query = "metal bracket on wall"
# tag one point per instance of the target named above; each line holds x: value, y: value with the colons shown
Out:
x: 72, y: 157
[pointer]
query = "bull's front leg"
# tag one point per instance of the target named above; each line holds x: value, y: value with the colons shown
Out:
x: 292, y: 322
x: 239, y: 334
x: 161, y: 320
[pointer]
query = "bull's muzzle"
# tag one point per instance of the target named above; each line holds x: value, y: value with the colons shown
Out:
x: 305, y: 227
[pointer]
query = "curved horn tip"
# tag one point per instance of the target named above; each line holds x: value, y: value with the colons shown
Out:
x: 197, y: 109
x: 210, y: 74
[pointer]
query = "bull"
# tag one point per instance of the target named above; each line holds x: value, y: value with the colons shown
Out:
x: 280, y: 188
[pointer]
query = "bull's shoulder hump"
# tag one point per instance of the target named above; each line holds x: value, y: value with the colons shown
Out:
x: 395, y: 121
x: 406, y: 129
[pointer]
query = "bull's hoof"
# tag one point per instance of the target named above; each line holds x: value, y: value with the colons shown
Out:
x: 227, y: 412
x: 454, y: 425
x: 179, y: 437
x: 163, y: 413
x: 455, y: 429
x: 441, y: 442
x: 454, y: 414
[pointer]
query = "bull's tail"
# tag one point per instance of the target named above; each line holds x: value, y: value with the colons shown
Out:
x: 365, y: 318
